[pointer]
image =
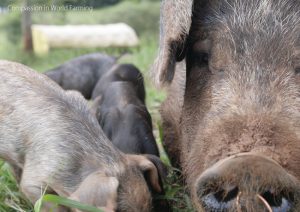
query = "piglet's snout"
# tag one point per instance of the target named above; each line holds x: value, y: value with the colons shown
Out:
x: 247, y: 181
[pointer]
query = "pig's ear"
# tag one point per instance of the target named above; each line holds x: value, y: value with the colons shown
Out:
x: 98, y: 190
x: 175, y: 21
x: 94, y: 107
x: 153, y: 169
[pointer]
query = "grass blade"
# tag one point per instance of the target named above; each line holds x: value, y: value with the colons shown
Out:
x: 65, y: 202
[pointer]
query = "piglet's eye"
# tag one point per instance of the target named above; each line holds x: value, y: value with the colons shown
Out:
x: 297, y: 70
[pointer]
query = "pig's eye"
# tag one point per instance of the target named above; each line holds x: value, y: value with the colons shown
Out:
x: 201, y: 59
x: 297, y: 70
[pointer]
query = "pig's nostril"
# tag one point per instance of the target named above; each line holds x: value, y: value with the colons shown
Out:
x: 278, y: 201
x: 225, y: 195
x: 219, y: 200
x: 272, y: 199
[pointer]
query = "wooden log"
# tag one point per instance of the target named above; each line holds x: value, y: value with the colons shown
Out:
x: 82, y: 36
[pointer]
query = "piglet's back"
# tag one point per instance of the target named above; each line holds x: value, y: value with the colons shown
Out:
x: 36, y: 115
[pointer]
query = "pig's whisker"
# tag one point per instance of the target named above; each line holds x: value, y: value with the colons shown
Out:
x: 238, y: 206
x: 265, y: 202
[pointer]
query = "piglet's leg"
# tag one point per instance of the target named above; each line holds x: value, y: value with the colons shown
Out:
x: 33, y: 190
x: 33, y: 185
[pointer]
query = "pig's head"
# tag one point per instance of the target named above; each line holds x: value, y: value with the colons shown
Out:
x: 240, y: 121
x: 126, y: 187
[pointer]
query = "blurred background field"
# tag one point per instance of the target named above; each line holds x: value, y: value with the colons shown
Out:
x: 142, y: 15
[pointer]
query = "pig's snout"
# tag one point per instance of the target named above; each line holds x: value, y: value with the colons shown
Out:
x: 247, y: 182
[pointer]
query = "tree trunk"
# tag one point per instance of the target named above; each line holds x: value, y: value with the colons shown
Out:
x: 26, y: 27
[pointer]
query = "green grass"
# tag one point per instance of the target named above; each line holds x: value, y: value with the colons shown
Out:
x: 62, y: 201
x: 143, y: 56
x: 10, y: 197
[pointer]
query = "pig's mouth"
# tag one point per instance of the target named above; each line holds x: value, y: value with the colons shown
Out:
x: 260, y: 185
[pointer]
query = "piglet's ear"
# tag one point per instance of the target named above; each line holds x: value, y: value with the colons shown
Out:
x: 152, y: 167
x: 99, y: 191
x: 94, y: 107
x: 161, y: 169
